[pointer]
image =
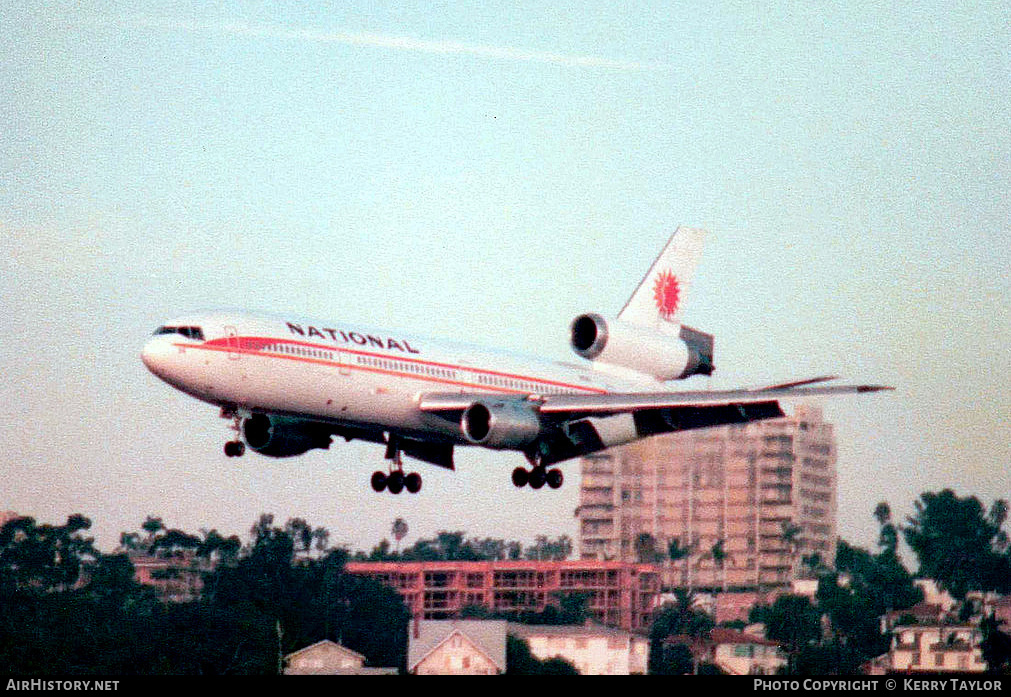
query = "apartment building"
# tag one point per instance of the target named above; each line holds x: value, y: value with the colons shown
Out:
x: 618, y: 594
x: 748, y: 502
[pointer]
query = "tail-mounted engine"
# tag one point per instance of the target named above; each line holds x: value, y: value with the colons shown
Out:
x: 500, y: 424
x: 281, y: 436
x: 663, y: 356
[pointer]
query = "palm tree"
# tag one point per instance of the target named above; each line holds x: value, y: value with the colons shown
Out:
x: 675, y: 553
x: 645, y: 549
x: 680, y: 618
x: 152, y: 526
x: 790, y: 533
x: 399, y: 531
x: 322, y: 538
x: 719, y: 556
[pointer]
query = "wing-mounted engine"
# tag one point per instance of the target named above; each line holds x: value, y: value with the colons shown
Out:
x: 644, y: 350
x: 501, y: 424
x: 283, y: 436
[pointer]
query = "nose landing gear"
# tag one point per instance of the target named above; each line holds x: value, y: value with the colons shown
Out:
x: 234, y: 448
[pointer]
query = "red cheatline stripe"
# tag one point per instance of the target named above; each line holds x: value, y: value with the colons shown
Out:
x: 255, y: 346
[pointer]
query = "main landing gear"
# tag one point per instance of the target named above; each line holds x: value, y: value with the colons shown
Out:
x: 396, y: 481
x: 538, y: 476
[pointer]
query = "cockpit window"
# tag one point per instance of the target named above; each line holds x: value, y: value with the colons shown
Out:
x: 189, y: 332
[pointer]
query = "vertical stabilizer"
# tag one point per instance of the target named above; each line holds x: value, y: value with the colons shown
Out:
x: 660, y: 297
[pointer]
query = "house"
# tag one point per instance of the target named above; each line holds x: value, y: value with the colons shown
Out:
x: 175, y: 578
x: 592, y: 649
x: 936, y: 648
x: 734, y: 653
x: 329, y: 658
x: 457, y: 647
x: 921, y: 613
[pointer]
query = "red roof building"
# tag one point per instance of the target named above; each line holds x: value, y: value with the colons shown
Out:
x: 619, y: 594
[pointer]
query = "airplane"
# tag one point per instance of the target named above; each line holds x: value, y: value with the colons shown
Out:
x: 291, y: 384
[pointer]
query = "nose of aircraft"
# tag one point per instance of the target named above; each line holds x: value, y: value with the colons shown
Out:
x: 154, y: 355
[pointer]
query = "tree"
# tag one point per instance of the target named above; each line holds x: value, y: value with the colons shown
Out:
x: 996, y: 646
x: 791, y: 535
x: 679, y: 618
x: 888, y: 539
x: 130, y: 542
x: 174, y: 543
x: 719, y: 557
x: 574, y: 606
x: 792, y: 620
x: 813, y: 564
x: 959, y: 544
x: 313, y: 599
x: 646, y: 550
x: 675, y: 553
x: 381, y: 552
x: 43, y: 558
x: 521, y: 661
x: 152, y: 526
x: 301, y: 534
x: 399, y: 531
x: 321, y: 536
x: 218, y: 549
x: 547, y: 549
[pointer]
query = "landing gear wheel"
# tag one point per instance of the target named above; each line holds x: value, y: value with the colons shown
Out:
x: 537, y: 478
x: 378, y: 481
x: 412, y: 482
x: 520, y: 477
x: 395, y: 482
x: 235, y: 448
x: 555, y: 478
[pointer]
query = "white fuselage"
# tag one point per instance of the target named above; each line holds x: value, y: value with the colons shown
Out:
x: 350, y: 374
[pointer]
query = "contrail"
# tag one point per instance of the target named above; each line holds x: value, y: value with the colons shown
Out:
x: 385, y: 41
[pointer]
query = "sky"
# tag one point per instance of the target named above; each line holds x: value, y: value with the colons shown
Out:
x: 487, y: 171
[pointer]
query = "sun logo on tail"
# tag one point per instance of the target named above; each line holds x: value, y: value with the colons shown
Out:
x: 666, y: 292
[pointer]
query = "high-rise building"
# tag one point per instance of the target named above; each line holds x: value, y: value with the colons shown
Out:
x: 746, y: 502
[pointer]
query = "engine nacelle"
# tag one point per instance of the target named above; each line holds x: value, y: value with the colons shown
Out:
x: 281, y: 436
x: 500, y: 424
x: 663, y: 356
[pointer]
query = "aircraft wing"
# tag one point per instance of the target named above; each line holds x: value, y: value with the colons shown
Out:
x: 619, y: 403
x: 631, y: 402
x: 579, y: 424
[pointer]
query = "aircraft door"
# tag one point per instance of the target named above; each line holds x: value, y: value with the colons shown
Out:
x: 339, y: 384
x: 232, y: 340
